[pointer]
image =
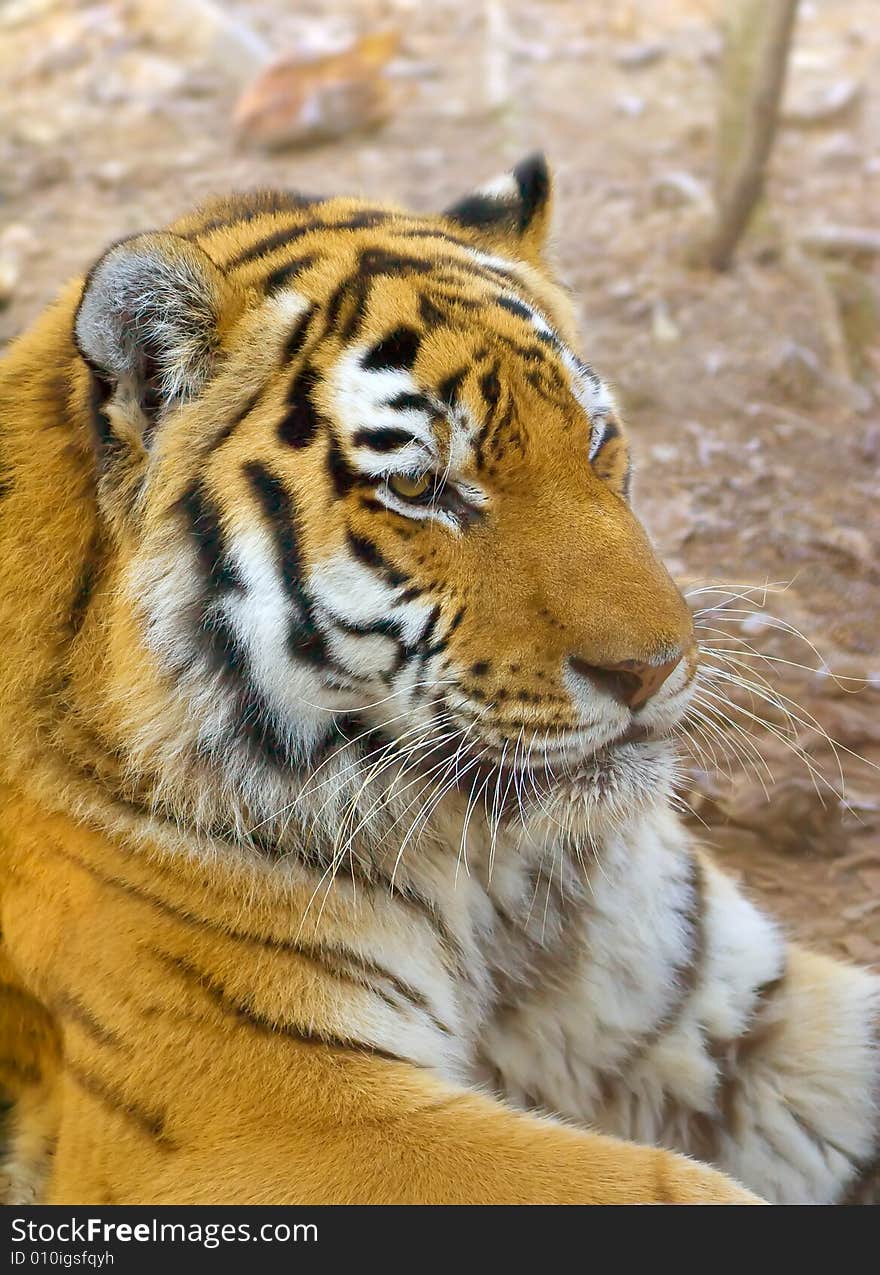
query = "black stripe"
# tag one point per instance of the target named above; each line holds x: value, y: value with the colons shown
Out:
x: 864, y: 1187
x: 398, y: 349
x: 285, y: 274
x: 149, y: 1122
x: 84, y: 590
x: 376, y: 506
x: 409, y: 595
x: 253, y: 716
x: 366, y: 552
x: 333, y: 308
x: 405, y: 400
x: 490, y: 388
x: 455, y: 622
x: 204, y: 525
x: 687, y: 975
x: 226, y: 431
x: 364, y: 220
x: 300, y: 423
x: 382, y: 440
x: 295, y: 342
x: 529, y: 353
x: 379, y: 261
x: 247, y: 206
x: 407, y: 896
x: 448, y: 389
x: 245, y: 1014
x: 610, y: 430
x: 431, y: 314
x: 427, y: 633
x: 341, y: 474
x: 516, y: 307
x: 66, y: 1005
x: 495, y: 274
x: 305, y: 639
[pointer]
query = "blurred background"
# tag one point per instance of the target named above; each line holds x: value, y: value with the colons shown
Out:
x: 748, y: 370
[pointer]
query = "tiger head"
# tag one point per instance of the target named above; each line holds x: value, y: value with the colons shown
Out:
x: 373, y: 503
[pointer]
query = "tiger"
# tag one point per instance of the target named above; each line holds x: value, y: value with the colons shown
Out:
x: 340, y: 697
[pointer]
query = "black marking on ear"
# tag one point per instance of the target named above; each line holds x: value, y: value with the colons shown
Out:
x: 204, y: 525
x: 305, y: 640
x: 301, y: 421
x: 368, y: 553
x: 382, y: 440
x: 285, y: 274
x: 515, y: 206
x: 398, y: 349
x: 479, y: 211
x: 448, y: 389
x: 533, y: 179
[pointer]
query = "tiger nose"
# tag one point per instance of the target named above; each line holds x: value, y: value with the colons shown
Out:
x: 631, y: 682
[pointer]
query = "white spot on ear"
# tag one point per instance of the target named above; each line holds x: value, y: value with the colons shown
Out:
x: 503, y: 187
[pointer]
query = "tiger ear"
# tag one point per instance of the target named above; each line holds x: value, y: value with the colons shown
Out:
x: 148, y: 323
x: 513, y: 210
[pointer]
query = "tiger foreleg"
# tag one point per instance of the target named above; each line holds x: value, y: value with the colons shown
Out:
x: 684, y: 1019
x: 29, y: 1057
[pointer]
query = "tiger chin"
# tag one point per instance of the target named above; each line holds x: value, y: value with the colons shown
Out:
x: 338, y: 703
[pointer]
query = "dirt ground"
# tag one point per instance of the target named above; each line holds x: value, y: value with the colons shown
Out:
x: 751, y: 397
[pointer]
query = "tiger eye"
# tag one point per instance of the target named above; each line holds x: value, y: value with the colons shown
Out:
x: 409, y: 488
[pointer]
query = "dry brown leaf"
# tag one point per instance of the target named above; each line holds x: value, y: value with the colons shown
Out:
x: 299, y: 101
